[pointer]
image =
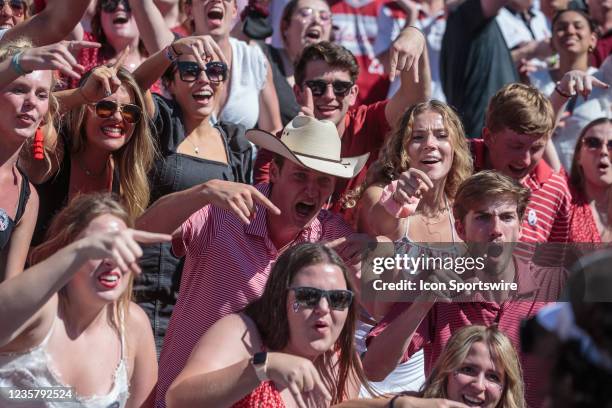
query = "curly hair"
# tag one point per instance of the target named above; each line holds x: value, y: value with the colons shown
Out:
x: 394, y: 160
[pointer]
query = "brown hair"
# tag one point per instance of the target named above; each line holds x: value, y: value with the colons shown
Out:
x: 576, y: 173
x: 335, y: 55
x: 134, y: 159
x: 107, y: 51
x: 458, y: 348
x: 394, y: 159
x: 269, y: 313
x: 485, y: 185
x: 521, y: 108
x: 69, y: 223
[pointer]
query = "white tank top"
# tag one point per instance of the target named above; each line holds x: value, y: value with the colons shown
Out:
x: 33, y: 369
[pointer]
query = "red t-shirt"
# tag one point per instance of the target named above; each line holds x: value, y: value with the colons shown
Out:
x: 365, y: 132
x: 582, y: 223
x: 602, y: 49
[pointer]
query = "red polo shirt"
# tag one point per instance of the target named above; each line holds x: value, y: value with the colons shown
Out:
x: 226, y: 267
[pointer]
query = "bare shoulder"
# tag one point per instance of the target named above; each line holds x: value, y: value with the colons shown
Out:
x: 137, y: 323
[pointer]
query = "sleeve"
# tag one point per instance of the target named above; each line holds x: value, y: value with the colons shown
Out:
x: 377, y: 128
x: 389, y: 27
x: 193, y: 233
x: 164, y: 131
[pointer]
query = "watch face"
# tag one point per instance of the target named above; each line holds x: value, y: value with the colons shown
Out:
x: 260, y: 358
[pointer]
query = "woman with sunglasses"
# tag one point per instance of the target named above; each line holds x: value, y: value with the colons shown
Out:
x: 250, y: 98
x: 478, y: 367
x: 291, y: 347
x: 12, y: 13
x: 26, y: 104
x: 591, y: 184
x: 73, y: 327
x: 105, y: 144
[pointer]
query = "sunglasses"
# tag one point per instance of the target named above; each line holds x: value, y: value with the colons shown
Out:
x: 311, y: 297
x: 189, y: 71
x: 319, y: 87
x: 17, y: 6
x: 110, y: 6
x: 130, y: 113
x: 594, y: 143
x: 310, y: 13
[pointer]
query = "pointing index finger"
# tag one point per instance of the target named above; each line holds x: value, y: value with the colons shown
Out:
x: 257, y: 195
x: 422, y: 176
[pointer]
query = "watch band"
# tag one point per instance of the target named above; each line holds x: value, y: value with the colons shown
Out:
x: 259, y: 363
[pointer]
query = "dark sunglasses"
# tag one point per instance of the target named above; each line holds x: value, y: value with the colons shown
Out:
x: 594, y: 143
x: 130, y: 113
x: 318, y: 87
x: 190, y: 71
x: 310, y: 297
x: 17, y: 6
x: 110, y: 6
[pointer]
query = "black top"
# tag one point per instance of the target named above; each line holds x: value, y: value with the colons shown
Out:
x: 7, y: 225
x: 53, y: 193
x: 289, y: 108
x: 177, y: 171
x: 474, y: 63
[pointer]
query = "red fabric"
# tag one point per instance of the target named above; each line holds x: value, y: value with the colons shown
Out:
x: 582, y: 223
x: 602, y: 50
x: 90, y: 58
x: 266, y: 395
x: 365, y: 132
x: 214, y: 284
x: 550, y: 200
x: 181, y: 31
x: 39, y: 5
x: 357, y: 29
x: 535, y: 284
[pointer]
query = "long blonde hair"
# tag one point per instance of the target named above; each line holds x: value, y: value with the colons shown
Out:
x: 394, y: 159
x: 134, y: 159
x: 66, y: 227
x: 457, y: 349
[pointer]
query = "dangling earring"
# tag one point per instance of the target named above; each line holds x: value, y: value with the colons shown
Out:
x: 591, y: 49
x: 38, y: 148
x: 296, y: 307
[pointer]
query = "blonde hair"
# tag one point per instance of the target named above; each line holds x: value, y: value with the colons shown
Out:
x: 69, y: 223
x: 394, y: 159
x: 457, y: 349
x: 9, y: 50
x: 134, y: 159
x: 521, y: 108
x: 489, y: 184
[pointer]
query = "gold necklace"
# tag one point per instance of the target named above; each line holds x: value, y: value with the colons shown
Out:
x: 88, y: 172
x: 196, y: 149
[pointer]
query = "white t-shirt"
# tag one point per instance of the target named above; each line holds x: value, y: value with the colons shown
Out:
x: 248, y: 78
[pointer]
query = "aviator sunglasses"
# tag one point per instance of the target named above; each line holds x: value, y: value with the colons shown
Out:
x: 17, y: 6
x: 130, y: 113
x: 190, y: 71
x: 593, y: 143
x: 338, y: 299
x: 318, y: 87
x: 110, y: 6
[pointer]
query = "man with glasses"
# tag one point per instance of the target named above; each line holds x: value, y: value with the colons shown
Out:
x: 325, y: 87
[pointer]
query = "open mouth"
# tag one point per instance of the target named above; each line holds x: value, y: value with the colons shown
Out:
x: 305, y: 209
x: 203, y: 96
x: 472, y: 401
x: 321, y: 326
x: 215, y: 14
x: 26, y: 118
x: 113, y: 131
x: 430, y: 160
x: 313, y: 34
x: 603, y: 166
x: 109, y: 279
x: 120, y: 20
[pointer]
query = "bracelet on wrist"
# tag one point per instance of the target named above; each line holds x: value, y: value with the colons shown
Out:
x: 174, y: 50
x: 171, y: 54
x: 16, y: 64
x: 560, y: 92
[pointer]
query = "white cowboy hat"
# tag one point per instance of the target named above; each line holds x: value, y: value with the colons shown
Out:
x: 311, y: 143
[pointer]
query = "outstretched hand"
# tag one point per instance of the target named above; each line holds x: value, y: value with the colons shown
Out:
x: 59, y: 56
x: 579, y: 82
x: 406, y: 51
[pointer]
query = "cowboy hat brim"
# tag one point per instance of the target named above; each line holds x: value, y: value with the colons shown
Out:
x: 347, y: 167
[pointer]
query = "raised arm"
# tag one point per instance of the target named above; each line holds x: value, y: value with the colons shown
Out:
x: 25, y: 297
x: 52, y: 24
x: 408, y: 55
x: 154, y: 32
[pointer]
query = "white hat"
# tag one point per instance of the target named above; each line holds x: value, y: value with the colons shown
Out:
x: 311, y: 143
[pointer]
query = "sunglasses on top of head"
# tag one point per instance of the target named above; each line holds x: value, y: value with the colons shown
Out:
x: 189, y: 71
x: 110, y: 6
x: 18, y: 7
x: 594, y: 143
x: 319, y: 87
x: 129, y: 112
x: 337, y: 299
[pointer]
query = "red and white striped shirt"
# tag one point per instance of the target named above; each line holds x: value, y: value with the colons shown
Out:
x: 226, y: 267
x: 535, y: 285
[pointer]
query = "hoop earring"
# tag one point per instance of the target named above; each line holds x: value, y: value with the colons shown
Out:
x: 296, y: 307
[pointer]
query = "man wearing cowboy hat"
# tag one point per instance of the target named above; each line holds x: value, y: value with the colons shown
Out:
x: 231, y: 244
x: 325, y: 77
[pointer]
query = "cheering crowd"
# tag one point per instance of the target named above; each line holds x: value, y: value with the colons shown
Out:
x: 191, y: 191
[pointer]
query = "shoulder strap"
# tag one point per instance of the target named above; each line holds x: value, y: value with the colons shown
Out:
x: 24, y: 195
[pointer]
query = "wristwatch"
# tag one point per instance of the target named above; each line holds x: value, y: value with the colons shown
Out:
x: 258, y: 362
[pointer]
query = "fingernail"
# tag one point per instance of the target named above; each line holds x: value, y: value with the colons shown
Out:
x: 107, y: 93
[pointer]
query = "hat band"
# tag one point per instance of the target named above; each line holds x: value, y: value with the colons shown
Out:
x: 323, y: 159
